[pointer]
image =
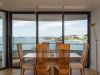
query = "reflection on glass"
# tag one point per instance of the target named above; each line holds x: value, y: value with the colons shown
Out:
x: 24, y: 31
x: 50, y: 29
x: 75, y: 31
x: 2, y: 41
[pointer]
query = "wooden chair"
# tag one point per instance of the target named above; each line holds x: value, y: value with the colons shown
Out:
x: 83, y: 61
x: 42, y: 66
x: 24, y: 66
x: 58, y: 44
x: 47, y: 43
x: 64, y: 60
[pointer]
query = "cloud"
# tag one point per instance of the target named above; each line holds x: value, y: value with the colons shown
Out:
x: 49, y: 24
x: 18, y: 23
x: 52, y: 28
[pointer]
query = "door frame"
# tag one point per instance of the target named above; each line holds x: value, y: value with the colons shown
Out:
x: 37, y: 26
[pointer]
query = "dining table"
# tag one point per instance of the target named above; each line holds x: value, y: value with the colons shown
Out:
x: 73, y: 56
x: 55, y: 55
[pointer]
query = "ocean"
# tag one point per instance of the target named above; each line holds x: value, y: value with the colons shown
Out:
x: 29, y: 43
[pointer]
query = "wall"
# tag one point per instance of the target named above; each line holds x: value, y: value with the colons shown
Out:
x: 95, y: 18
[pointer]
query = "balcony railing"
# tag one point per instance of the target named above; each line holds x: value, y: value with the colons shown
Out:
x: 31, y: 47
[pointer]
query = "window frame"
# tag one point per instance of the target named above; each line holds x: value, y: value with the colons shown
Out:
x: 37, y: 27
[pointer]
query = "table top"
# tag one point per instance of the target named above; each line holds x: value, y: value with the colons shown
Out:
x: 33, y: 55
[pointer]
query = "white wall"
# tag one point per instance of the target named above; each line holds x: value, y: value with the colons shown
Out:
x: 95, y: 17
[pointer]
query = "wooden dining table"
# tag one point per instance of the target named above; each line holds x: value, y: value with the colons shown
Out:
x: 56, y: 55
x: 73, y: 56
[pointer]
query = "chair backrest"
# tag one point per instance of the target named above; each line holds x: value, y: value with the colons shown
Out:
x: 41, y: 55
x: 58, y: 44
x: 85, y: 53
x: 64, y: 54
x: 20, y: 53
x: 47, y: 43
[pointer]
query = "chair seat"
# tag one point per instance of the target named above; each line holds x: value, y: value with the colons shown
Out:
x: 28, y: 66
x: 62, y: 68
x: 42, y: 68
x: 76, y: 65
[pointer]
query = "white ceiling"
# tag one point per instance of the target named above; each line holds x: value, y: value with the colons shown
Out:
x: 31, y: 5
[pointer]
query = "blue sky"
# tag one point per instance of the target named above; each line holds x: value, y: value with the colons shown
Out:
x: 47, y: 28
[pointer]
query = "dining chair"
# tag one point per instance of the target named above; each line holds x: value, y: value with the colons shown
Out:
x: 42, y: 66
x: 58, y: 44
x: 81, y: 65
x: 24, y: 66
x: 47, y: 43
x: 62, y: 68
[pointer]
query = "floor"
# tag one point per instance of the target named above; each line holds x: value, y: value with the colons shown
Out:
x: 0, y: 63
x: 30, y: 60
x: 28, y: 72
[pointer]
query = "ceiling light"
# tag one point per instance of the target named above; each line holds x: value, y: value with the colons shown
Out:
x: 75, y: 7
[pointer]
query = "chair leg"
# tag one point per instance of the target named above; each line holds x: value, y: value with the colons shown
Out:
x: 37, y: 73
x: 34, y: 72
x: 81, y: 71
x: 56, y: 72
x: 70, y: 71
x: 22, y: 72
x: 48, y: 73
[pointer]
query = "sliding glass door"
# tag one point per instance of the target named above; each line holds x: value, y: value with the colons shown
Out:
x: 23, y: 31
x: 32, y: 29
x: 2, y: 40
x: 75, y: 31
x: 50, y: 29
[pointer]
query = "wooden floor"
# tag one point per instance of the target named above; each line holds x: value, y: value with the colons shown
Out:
x: 17, y: 72
x: 0, y: 63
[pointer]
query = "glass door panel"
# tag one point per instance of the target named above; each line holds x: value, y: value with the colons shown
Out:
x: 75, y: 31
x: 50, y: 29
x: 23, y: 31
x: 2, y: 40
